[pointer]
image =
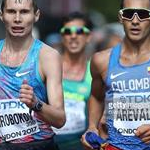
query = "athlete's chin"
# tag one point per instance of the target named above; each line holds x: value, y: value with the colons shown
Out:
x: 135, y: 37
x: 18, y: 35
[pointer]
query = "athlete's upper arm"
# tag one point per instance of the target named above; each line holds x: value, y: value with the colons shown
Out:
x: 51, y: 69
x: 99, y: 65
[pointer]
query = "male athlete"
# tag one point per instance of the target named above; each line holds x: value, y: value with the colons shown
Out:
x: 121, y: 79
x: 31, y: 97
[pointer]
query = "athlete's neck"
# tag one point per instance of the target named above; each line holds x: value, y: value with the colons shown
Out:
x: 14, y: 54
x: 18, y: 44
x: 134, y: 54
x: 74, y: 69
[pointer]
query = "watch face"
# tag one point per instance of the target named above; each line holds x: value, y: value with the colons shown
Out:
x: 38, y: 106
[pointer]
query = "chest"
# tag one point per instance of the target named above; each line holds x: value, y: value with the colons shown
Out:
x: 11, y: 59
x: 74, y: 72
x: 125, y: 79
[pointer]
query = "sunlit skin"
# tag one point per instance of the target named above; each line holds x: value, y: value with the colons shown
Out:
x: 19, y: 17
x: 75, y: 43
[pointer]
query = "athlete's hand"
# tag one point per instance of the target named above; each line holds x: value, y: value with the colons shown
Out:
x: 27, y: 94
x: 84, y: 142
x: 86, y: 145
x: 143, y: 132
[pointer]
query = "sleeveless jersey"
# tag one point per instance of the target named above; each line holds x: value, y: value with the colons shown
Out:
x: 11, y: 79
x: 76, y: 95
x: 127, y: 101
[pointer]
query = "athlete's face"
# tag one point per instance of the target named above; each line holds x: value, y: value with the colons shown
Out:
x: 135, y: 28
x: 19, y: 17
x: 76, y: 41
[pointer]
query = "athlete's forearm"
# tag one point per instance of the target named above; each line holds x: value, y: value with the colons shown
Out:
x: 95, y: 112
x: 54, y: 116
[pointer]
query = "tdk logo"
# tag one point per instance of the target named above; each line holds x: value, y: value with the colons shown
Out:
x: 12, y: 105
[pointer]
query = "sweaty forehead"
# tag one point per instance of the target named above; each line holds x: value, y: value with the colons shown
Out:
x: 137, y: 3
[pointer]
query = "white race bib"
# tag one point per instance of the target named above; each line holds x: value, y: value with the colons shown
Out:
x: 131, y: 111
x: 15, y: 120
x: 75, y: 118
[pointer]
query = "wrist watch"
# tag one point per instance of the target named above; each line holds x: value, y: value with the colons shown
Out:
x: 38, y: 106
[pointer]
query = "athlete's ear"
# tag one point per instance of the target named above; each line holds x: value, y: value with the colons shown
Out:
x: 37, y: 15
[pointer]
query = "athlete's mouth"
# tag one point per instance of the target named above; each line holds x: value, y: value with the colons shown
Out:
x: 17, y: 29
x: 74, y: 44
x: 135, y: 30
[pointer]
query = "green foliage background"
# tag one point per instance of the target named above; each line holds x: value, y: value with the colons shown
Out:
x: 109, y: 8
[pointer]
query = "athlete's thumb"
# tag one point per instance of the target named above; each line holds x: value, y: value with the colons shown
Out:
x: 25, y: 81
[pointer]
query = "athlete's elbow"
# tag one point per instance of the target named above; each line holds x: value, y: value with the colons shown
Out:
x: 60, y: 121
x: 60, y: 124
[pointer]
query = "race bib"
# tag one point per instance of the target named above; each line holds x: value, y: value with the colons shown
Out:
x: 75, y: 118
x: 131, y: 111
x: 15, y: 120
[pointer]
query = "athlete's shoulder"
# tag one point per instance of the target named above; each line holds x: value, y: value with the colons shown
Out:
x: 100, y: 61
x: 48, y: 51
x: 49, y: 61
x: 102, y: 56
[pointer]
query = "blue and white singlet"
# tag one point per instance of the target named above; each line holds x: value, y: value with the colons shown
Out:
x: 127, y: 101
x: 15, y: 123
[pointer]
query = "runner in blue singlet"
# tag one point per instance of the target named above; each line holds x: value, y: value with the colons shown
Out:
x: 30, y: 73
x: 121, y: 79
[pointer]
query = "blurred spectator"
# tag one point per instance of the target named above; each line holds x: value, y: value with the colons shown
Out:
x: 114, y: 33
x: 98, y: 21
x: 54, y: 40
x: 97, y: 18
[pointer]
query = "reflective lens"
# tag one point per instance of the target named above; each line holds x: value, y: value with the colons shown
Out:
x: 129, y: 13
x: 74, y: 29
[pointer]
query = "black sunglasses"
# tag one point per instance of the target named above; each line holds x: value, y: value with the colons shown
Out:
x: 74, y: 29
x: 129, y: 13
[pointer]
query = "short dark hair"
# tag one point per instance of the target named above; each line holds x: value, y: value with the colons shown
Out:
x: 33, y: 2
x: 78, y: 15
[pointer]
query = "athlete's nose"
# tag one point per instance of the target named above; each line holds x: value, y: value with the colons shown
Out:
x: 17, y: 17
x: 73, y: 35
x: 135, y: 18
